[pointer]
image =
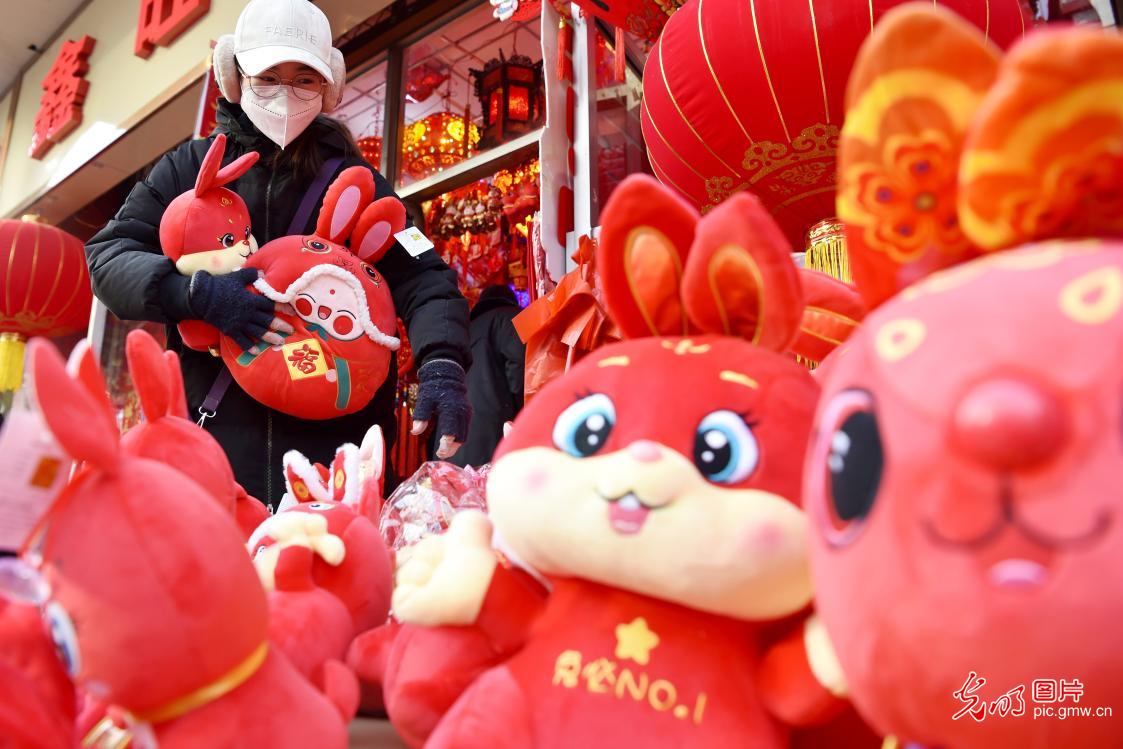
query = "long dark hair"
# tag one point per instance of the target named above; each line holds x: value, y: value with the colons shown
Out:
x: 304, y: 158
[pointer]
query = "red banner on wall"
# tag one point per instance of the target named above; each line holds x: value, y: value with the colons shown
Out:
x: 207, y: 117
x: 64, y: 91
x: 161, y: 21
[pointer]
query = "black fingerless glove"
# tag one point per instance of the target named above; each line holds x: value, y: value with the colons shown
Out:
x: 442, y: 390
x: 226, y: 303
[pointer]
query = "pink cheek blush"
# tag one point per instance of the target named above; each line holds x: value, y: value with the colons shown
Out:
x: 766, y: 538
x: 537, y: 480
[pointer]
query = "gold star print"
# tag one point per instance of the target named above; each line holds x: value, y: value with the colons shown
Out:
x: 635, y: 641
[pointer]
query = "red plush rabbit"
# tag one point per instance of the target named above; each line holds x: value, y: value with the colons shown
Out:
x: 340, y: 351
x: 169, y: 436
x: 963, y: 485
x: 208, y: 228
x: 154, y: 605
x: 655, y: 485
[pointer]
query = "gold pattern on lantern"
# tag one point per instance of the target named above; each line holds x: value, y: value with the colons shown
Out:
x: 437, y: 142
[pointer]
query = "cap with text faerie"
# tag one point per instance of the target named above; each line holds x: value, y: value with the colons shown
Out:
x: 270, y: 32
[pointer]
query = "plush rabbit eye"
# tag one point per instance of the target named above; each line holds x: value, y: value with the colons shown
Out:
x: 227, y: 240
x: 847, y: 464
x: 260, y: 550
x: 64, y: 636
x: 371, y: 272
x: 316, y: 245
x: 583, y: 428
x: 725, y: 450
x: 319, y: 506
x: 247, y: 232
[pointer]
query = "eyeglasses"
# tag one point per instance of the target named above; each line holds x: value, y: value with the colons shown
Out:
x: 306, y: 86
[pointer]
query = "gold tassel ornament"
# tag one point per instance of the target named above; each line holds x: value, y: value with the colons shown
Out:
x: 826, y: 250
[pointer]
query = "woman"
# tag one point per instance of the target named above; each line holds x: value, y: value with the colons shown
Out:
x: 280, y: 66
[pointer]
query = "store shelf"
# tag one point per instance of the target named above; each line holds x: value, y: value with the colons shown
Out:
x: 477, y: 167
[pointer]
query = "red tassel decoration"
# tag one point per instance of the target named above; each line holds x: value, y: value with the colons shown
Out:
x: 621, y: 55
x: 565, y: 49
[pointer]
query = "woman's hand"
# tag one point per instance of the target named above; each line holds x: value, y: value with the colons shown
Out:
x: 442, y: 391
x: 226, y: 303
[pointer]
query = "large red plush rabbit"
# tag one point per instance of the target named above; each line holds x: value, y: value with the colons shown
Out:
x: 963, y: 485
x: 167, y: 435
x: 154, y: 606
x: 208, y: 228
x: 656, y: 486
x: 340, y: 351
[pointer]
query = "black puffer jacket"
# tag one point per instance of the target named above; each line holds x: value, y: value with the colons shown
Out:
x: 495, y: 381
x: 137, y: 282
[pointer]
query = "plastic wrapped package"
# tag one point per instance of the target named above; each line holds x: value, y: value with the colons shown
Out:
x: 424, y: 504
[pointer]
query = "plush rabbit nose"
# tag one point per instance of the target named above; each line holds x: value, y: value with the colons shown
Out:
x: 1009, y: 424
x: 645, y: 451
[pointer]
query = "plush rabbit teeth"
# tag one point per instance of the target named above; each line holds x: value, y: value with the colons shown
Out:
x: 627, y: 515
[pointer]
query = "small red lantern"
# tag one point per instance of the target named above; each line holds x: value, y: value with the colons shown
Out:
x: 749, y: 96
x: 509, y: 91
x: 46, y: 290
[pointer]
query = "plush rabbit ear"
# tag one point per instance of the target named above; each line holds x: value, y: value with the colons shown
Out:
x: 831, y: 312
x: 150, y: 374
x: 372, y: 455
x: 208, y: 170
x: 917, y: 83
x: 646, y: 233
x: 82, y: 367
x: 345, y: 476
x: 304, y: 481
x: 374, y: 234
x: 351, y: 191
x: 1042, y: 160
x: 176, y: 392
x: 236, y: 168
x: 740, y: 279
x: 81, y: 423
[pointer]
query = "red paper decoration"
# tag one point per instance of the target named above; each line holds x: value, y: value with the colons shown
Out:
x: 751, y: 96
x: 371, y: 149
x: 643, y: 18
x: 161, y: 21
x: 64, y: 90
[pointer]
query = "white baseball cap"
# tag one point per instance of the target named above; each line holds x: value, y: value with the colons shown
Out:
x: 270, y: 32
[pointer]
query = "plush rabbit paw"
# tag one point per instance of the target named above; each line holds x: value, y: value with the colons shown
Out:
x: 443, y: 580
x: 822, y: 658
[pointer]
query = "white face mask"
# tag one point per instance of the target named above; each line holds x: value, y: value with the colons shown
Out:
x: 282, y: 118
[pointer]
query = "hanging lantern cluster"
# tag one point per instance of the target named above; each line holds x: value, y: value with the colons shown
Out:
x: 46, y: 290
x: 437, y: 142
x: 371, y: 149
x: 511, y: 93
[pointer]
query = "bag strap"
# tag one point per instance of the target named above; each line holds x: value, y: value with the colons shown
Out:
x: 299, y: 220
x: 312, y: 196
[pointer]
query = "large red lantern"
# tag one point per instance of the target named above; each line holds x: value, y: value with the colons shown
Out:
x: 748, y: 95
x: 44, y: 289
